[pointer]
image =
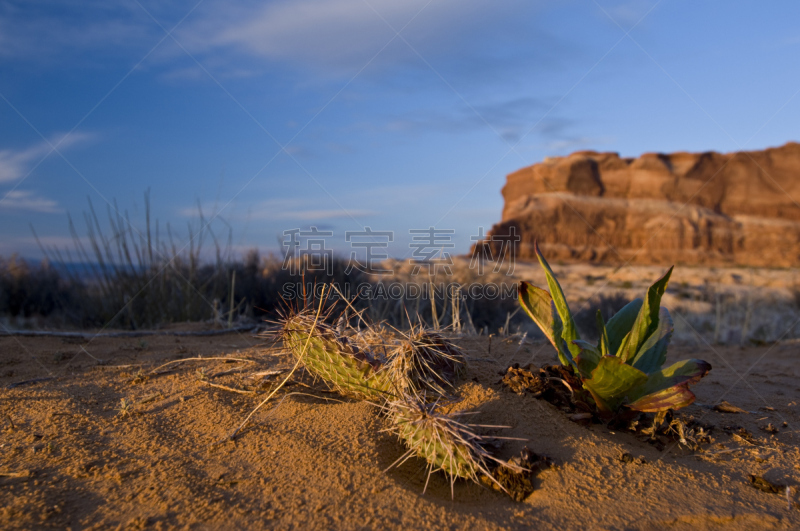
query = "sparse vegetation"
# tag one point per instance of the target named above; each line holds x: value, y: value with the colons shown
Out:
x: 125, y: 277
x: 406, y: 375
x: 119, y: 277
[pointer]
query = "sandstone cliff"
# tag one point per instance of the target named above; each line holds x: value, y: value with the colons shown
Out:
x: 739, y: 208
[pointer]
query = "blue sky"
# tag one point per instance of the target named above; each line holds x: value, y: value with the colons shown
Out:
x: 346, y: 114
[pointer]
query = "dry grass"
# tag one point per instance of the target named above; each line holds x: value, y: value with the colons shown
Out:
x: 122, y: 277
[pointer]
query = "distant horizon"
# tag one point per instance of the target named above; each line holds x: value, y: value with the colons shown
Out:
x: 348, y: 115
x: 400, y: 253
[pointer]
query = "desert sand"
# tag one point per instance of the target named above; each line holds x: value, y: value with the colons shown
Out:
x: 73, y: 455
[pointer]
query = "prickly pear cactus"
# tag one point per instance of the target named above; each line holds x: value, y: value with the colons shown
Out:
x: 426, y: 362
x: 332, y: 358
x: 422, y: 365
x: 441, y: 440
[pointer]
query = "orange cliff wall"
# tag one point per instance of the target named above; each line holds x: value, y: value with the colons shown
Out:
x: 738, y: 208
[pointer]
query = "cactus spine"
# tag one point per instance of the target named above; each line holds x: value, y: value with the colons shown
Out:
x: 425, y: 362
x: 332, y: 358
x: 422, y: 364
x: 441, y: 440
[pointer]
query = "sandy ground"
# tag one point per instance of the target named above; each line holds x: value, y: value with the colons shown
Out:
x: 71, y: 456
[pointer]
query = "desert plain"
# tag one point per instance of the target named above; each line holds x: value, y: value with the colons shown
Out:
x: 134, y: 433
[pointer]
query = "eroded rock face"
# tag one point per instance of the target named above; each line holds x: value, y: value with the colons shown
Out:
x: 738, y: 208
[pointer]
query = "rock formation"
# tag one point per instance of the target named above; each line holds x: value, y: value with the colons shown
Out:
x: 738, y: 208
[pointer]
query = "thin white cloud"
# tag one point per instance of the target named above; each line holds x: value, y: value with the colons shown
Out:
x: 43, y: 31
x: 330, y: 36
x: 399, y: 195
x: 29, y: 201
x: 336, y: 34
x: 567, y: 145
x: 15, y: 163
x: 509, y: 119
x: 283, y: 209
x: 298, y: 151
x: 322, y: 214
x: 628, y: 13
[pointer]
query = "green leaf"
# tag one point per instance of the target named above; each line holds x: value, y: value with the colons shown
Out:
x: 569, y: 332
x: 620, y: 325
x: 538, y: 304
x: 602, y: 344
x: 586, y: 346
x: 653, y: 352
x: 623, y: 347
x: 647, y: 320
x: 588, y: 359
x: 586, y: 364
x: 683, y: 372
x: 611, y: 383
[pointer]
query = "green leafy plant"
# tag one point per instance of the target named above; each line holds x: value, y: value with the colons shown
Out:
x: 624, y: 368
